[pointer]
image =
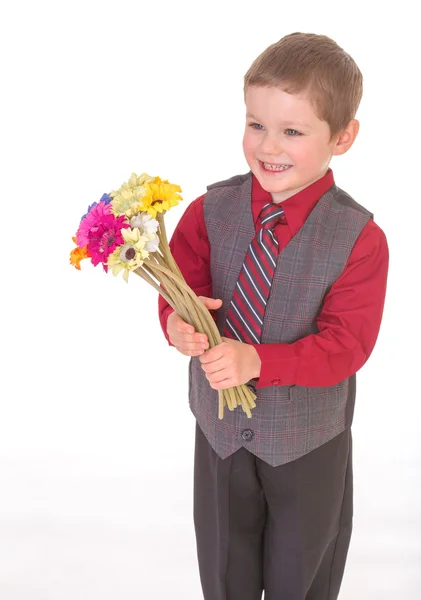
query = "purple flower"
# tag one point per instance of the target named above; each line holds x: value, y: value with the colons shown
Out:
x: 106, y: 198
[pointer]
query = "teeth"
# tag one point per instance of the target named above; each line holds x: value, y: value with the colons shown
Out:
x: 270, y: 167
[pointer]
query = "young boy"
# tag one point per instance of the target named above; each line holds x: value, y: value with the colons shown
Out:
x: 273, y: 501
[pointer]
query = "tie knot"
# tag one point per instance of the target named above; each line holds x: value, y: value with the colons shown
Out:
x: 271, y: 214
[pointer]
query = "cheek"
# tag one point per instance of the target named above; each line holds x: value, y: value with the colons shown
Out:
x: 303, y: 153
x: 249, y: 144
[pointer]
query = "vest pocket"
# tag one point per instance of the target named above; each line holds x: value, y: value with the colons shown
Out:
x: 334, y: 395
x: 273, y: 395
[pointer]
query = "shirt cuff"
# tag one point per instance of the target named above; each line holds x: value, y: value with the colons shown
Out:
x: 278, y: 365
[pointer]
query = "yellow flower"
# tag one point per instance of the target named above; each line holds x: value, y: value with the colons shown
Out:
x: 127, y: 199
x: 131, y: 255
x: 160, y: 196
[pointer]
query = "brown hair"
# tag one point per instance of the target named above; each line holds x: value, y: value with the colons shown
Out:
x: 315, y: 64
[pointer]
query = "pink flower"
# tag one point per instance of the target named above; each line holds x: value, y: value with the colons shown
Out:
x: 90, y: 222
x: 105, y: 237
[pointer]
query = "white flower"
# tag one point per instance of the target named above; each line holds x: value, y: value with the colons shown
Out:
x: 147, y: 227
x: 152, y: 244
x: 145, y: 223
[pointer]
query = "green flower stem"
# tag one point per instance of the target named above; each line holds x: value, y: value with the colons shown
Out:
x: 231, y: 400
x: 172, y: 265
x: 141, y: 272
x: 230, y: 394
x: 183, y: 305
x: 192, y: 316
x: 221, y: 404
x: 168, y: 284
x: 246, y: 403
x: 162, y: 232
x: 209, y: 322
x: 233, y: 396
x: 214, y: 337
x: 193, y: 304
x: 165, y: 247
x: 177, y: 303
x: 186, y: 309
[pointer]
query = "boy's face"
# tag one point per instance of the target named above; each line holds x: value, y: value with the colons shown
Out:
x: 282, y: 129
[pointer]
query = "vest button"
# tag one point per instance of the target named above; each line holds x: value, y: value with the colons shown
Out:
x: 247, y: 435
x: 276, y: 382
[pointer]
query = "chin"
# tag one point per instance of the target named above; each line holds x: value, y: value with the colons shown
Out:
x: 273, y: 186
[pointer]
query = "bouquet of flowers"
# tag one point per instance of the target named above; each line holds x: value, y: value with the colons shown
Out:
x: 125, y: 232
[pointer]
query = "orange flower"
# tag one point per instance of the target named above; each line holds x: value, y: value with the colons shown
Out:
x: 78, y: 254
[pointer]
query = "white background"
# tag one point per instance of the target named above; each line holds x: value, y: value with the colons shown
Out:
x: 96, y: 437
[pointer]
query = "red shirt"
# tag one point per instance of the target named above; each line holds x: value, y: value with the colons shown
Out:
x: 351, y: 313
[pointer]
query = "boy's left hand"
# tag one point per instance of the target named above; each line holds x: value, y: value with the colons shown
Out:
x: 230, y: 363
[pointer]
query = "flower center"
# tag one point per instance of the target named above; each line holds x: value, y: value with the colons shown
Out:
x: 130, y: 253
x: 111, y: 240
x: 157, y: 202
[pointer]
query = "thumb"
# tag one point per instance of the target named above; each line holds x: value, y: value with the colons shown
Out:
x: 210, y: 302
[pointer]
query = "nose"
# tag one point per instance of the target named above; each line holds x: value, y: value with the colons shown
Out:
x: 270, y: 145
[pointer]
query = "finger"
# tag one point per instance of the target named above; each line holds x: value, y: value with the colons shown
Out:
x: 188, y: 332
x: 184, y: 327
x: 190, y: 345
x: 190, y: 350
x: 222, y: 385
x: 179, y: 329
x: 191, y: 341
x: 220, y: 379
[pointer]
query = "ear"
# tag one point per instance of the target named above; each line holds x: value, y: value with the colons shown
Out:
x: 346, y: 138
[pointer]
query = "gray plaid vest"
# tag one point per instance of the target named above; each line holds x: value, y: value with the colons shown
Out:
x: 291, y: 420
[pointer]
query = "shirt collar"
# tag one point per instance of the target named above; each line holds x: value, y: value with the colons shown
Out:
x: 297, y: 207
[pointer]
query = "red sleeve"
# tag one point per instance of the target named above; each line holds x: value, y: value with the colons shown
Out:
x: 348, y: 323
x: 189, y: 246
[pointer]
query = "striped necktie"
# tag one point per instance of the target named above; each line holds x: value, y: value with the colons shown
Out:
x: 245, y: 314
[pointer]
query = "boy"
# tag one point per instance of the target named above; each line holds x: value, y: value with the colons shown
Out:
x: 273, y: 494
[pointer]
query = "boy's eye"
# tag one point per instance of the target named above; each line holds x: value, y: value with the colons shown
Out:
x: 255, y: 126
x: 292, y: 132
x: 289, y: 132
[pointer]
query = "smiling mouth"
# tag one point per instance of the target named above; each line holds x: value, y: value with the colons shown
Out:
x: 274, y: 167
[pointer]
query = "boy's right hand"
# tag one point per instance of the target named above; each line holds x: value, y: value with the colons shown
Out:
x: 184, y: 337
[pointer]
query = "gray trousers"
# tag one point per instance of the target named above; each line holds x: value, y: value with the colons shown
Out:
x: 285, y: 530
